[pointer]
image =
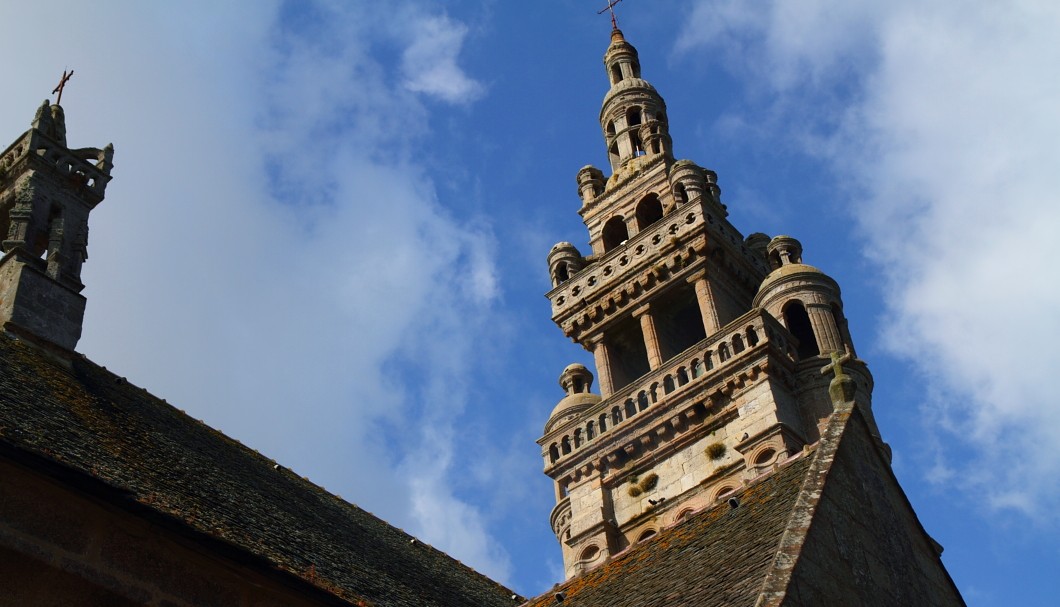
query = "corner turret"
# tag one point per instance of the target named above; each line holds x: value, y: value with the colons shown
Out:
x: 47, y: 191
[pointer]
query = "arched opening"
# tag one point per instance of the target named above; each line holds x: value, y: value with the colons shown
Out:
x: 565, y: 445
x: 615, y: 233
x: 636, y: 144
x: 631, y: 408
x: 668, y: 384
x: 616, y: 73
x: 723, y: 352
x: 633, y: 116
x: 590, y: 553
x: 752, y: 337
x: 765, y: 456
x: 649, y: 210
x: 737, y: 344
x: 682, y: 376
x: 683, y: 515
x: 562, y: 273
x: 798, y: 323
x: 616, y: 415
x: 680, y: 193
x: 553, y: 453
x: 678, y: 321
x: 590, y: 431
x: 577, y: 437
x: 613, y: 153
x: 647, y: 534
x: 610, y: 129
x: 642, y: 400
x: 603, y: 422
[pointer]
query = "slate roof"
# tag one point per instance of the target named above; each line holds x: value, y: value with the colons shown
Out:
x: 720, y: 556
x: 95, y: 424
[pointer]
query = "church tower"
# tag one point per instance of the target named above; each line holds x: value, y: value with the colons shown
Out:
x: 708, y: 344
x: 46, y: 193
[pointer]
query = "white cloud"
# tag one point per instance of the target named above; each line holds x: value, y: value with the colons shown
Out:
x: 269, y: 257
x: 429, y: 62
x: 949, y: 137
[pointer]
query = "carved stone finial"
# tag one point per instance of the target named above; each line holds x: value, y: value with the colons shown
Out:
x: 842, y: 387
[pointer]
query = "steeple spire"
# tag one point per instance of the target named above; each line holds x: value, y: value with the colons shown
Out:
x: 633, y: 116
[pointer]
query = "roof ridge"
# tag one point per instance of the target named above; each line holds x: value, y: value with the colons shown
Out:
x: 775, y: 584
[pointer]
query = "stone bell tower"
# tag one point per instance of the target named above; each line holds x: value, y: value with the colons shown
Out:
x: 46, y: 193
x: 708, y: 344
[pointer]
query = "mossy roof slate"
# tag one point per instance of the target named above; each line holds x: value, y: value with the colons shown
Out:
x: 718, y: 557
x: 95, y: 424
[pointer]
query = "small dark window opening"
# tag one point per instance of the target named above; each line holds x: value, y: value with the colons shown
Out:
x: 635, y: 143
x: 553, y: 453
x: 603, y: 422
x: 611, y: 128
x: 798, y: 323
x: 752, y: 336
x: 562, y: 275
x: 616, y: 74
x: 649, y: 211
x: 680, y: 194
x: 590, y: 431
x: 633, y: 116
x: 631, y: 409
x: 615, y: 233
x: 616, y: 416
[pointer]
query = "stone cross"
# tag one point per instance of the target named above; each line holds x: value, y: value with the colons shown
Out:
x: 61, y: 86
x: 837, y: 364
x: 610, y: 7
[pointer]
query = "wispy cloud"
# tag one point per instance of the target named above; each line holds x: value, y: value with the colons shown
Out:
x: 942, y: 118
x: 429, y: 62
x: 273, y: 256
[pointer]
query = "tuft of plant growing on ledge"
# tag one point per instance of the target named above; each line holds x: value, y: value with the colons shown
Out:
x: 634, y: 488
x: 648, y: 482
x: 638, y: 486
x: 716, y: 450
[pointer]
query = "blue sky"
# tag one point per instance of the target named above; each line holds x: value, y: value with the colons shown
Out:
x: 327, y: 230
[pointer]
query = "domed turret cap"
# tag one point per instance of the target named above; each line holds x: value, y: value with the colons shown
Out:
x: 576, y: 381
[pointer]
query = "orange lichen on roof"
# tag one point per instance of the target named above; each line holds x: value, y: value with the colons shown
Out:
x: 683, y: 564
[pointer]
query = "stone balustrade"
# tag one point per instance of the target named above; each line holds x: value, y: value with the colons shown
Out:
x: 93, y: 176
x: 626, y: 260
x: 704, y: 362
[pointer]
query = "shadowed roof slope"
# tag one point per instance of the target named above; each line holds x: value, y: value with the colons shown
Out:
x: 155, y: 458
x: 718, y: 557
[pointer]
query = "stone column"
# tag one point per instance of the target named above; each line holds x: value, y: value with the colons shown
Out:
x: 603, y: 366
x: 651, y: 338
x: 708, y: 309
x: 824, y: 328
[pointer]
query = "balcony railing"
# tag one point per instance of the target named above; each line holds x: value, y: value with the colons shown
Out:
x: 708, y: 360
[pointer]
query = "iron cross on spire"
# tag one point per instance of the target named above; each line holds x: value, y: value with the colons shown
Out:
x: 61, y: 86
x: 610, y: 7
